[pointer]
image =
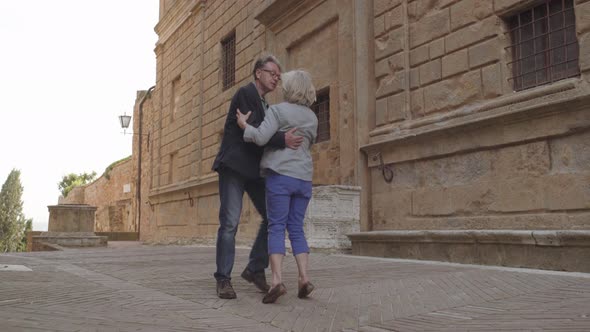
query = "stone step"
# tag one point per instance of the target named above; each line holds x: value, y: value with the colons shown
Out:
x: 73, y: 239
x: 567, y: 250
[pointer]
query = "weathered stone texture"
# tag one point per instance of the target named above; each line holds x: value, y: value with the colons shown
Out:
x: 582, y: 11
x: 472, y: 34
x: 429, y: 27
x: 436, y: 49
x: 419, y: 55
x: 571, y: 154
x: 390, y: 65
x: 394, y: 18
x: 470, y: 190
x: 467, y: 12
x: 453, y: 92
x: 380, y: 6
x: 455, y: 63
x: 485, y: 53
x: 430, y: 72
x: 391, y: 84
x: 503, y: 5
x: 491, y: 77
x: 584, y: 59
x: 417, y: 103
x: 389, y: 44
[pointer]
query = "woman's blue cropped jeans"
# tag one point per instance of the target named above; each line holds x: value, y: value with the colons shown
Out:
x: 286, y: 202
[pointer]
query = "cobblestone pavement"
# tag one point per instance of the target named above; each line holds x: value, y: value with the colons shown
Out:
x: 171, y: 288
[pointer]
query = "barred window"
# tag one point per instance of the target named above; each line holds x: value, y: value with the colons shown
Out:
x: 321, y: 108
x: 228, y: 60
x: 544, y: 44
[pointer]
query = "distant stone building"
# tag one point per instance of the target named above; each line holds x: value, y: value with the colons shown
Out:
x: 112, y: 196
x: 451, y: 115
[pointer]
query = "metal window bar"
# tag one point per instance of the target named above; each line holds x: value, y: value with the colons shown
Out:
x: 552, y: 69
x: 228, y: 56
x: 322, y: 110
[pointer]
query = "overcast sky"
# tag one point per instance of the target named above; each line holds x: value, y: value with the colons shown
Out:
x: 68, y: 68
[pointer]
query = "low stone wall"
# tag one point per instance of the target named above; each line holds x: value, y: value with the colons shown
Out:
x: 562, y: 250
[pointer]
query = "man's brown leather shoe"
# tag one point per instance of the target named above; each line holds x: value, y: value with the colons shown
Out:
x: 225, y: 289
x: 258, y: 279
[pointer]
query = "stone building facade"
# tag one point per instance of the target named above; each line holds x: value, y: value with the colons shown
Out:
x: 190, y: 103
x: 451, y: 115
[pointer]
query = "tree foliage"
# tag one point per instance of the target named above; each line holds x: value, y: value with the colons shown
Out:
x: 68, y: 182
x: 12, y: 219
x: 28, y: 228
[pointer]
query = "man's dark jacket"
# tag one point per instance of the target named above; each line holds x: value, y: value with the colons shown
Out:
x: 234, y: 153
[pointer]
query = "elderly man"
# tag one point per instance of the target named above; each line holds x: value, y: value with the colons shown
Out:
x: 237, y: 164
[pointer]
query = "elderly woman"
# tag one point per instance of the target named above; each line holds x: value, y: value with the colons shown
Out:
x: 288, y: 177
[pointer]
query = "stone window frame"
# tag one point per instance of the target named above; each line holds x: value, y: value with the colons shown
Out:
x: 228, y: 60
x: 171, y: 166
x: 174, y: 97
x: 530, y: 67
x: 321, y: 108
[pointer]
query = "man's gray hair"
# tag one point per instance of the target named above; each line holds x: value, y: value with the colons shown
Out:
x: 263, y: 60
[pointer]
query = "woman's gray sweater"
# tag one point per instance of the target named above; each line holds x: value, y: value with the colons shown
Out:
x: 282, y: 117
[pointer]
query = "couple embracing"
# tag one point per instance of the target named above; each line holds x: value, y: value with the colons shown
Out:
x: 265, y: 152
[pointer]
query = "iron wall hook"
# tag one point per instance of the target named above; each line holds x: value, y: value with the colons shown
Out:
x: 386, y: 171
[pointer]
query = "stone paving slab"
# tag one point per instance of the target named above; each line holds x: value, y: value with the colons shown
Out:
x: 136, y: 287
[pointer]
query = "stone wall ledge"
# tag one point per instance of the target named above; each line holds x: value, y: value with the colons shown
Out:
x: 72, y: 207
x: 468, y: 128
x: 546, y: 238
x: 180, y: 188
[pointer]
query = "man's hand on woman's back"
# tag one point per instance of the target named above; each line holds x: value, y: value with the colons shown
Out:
x: 293, y: 141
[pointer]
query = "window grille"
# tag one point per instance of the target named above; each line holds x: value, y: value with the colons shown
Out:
x: 544, y: 44
x: 321, y: 108
x: 228, y: 60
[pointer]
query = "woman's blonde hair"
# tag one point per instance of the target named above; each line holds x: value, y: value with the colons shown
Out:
x: 298, y: 88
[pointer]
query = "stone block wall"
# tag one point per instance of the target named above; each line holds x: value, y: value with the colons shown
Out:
x: 466, y: 150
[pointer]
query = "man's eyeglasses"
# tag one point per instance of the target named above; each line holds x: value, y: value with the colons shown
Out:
x: 272, y: 73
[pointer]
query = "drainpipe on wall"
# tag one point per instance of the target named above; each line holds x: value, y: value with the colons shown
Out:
x: 140, y: 138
